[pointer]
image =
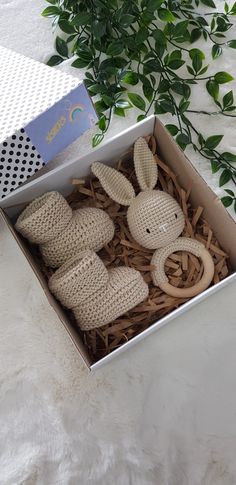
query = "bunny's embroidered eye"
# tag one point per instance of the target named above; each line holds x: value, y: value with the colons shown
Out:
x: 148, y: 231
x: 176, y: 217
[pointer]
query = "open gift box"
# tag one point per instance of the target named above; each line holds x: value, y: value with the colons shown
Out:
x: 60, y: 179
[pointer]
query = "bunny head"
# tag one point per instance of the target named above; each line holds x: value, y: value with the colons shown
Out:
x: 154, y: 218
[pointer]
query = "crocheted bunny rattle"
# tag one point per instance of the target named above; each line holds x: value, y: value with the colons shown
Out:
x: 154, y: 218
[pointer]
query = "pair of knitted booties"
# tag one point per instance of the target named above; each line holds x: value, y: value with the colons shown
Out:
x: 69, y: 240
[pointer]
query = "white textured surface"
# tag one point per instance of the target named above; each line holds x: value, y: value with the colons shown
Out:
x: 162, y: 414
x: 28, y: 88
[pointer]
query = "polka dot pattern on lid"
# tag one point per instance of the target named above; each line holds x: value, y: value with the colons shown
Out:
x: 17, y: 167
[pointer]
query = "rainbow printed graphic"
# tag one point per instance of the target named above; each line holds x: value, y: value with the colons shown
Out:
x: 75, y: 111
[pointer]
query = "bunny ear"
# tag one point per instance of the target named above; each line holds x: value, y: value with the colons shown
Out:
x: 145, y: 165
x: 114, y: 183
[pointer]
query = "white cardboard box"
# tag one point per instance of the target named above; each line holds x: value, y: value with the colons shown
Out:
x: 43, y: 110
x: 60, y: 179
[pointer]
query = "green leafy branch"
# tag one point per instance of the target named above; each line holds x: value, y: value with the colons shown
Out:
x: 140, y: 53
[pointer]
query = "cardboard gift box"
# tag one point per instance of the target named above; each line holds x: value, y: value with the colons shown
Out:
x: 43, y: 110
x: 60, y: 179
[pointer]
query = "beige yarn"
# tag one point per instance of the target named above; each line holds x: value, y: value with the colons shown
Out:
x: 154, y: 218
x: 89, y: 228
x: 96, y: 295
x: 145, y: 166
x: 44, y: 218
x: 61, y: 233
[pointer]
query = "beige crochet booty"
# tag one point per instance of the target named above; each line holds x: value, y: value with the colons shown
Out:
x: 96, y: 295
x: 50, y: 222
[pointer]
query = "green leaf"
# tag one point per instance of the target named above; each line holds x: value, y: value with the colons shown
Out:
x: 163, y: 86
x: 130, y: 77
x: 99, y: 29
x: 51, y: 11
x: 80, y: 63
x: 226, y: 7
x: 100, y: 106
x: 154, y: 4
x: 137, y: 101
x: 97, y: 139
x: 183, y: 105
x: 228, y: 99
x: 167, y: 106
x: 213, y: 88
x: 166, y: 15
x: 176, y: 64
x: 140, y: 118
x: 229, y: 157
x: 232, y: 44
x: 119, y: 111
x: 66, y: 27
x: 148, y: 92
x: 180, y: 29
x: 182, y: 139
x: 159, y: 37
x: 223, y: 77
x: 203, y: 71
x: 55, y: 60
x: 176, y: 54
x: 195, y: 35
x: 123, y: 103
x: 115, y: 48
x: 215, y: 166
x: 181, y: 88
x: 152, y: 66
x: 225, y: 177
x: 61, y: 47
x: 213, y: 141
x: 208, y: 3
x: 230, y: 192
x: 190, y: 70
x: 227, y: 201
x: 197, y: 63
x: 196, y: 52
x: 141, y: 35
x: 126, y: 20
x: 107, y: 100
x: 102, y: 123
x: 216, y: 51
x: 82, y: 18
x: 96, y: 88
x: 172, y: 129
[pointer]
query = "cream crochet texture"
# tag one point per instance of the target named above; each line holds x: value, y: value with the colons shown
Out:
x: 50, y: 222
x: 96, y: 295
x: 154, y: 218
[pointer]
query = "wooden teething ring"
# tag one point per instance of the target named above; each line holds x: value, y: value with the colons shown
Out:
x: 182, y: 244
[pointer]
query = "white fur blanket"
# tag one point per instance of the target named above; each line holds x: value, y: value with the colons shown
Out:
x: 161, y: 414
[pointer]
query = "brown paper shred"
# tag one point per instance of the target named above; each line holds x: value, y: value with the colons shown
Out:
x: 183, y: 269
x: 196, y: 216
x: 78, y: 181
